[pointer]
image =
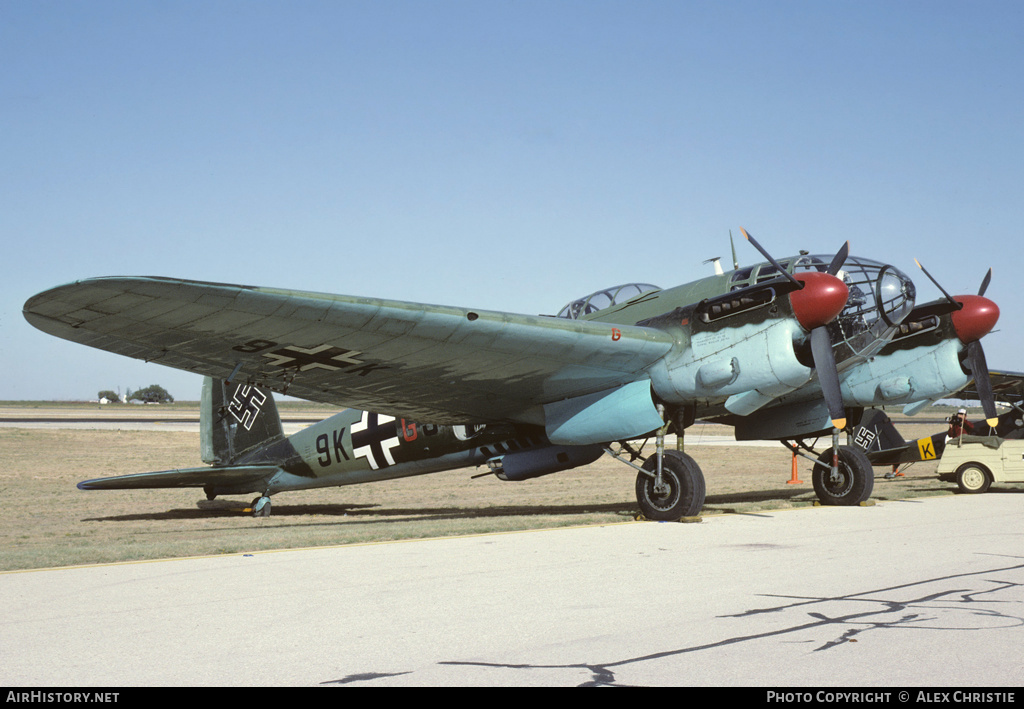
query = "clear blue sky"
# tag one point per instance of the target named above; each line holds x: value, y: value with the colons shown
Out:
x: 505, y: 155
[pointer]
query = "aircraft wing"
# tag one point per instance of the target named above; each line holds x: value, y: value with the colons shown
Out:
x: 436, y: 364
x: 185, y: 477
x: 1006, y: 386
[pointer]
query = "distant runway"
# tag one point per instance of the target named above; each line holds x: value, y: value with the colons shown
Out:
x: 171, y: 421
x: 141, y: 421
x: 927, y: 592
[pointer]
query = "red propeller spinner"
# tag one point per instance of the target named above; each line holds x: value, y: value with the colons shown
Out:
x: 975, y: 319
x: 820, y: 301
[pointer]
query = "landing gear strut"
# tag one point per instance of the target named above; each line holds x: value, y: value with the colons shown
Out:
x: 670, y: 484
x: 679, y: 492
x: 842, y: 474
x: 850, y: 483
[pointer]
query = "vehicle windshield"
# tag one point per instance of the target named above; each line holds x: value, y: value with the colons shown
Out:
x: 604, y: 299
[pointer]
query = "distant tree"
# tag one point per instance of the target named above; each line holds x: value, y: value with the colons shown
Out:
x: 153, y: 394
x: 109, y: 395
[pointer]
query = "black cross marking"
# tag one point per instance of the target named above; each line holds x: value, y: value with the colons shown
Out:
x: 322, y: 357
x: 332, y: 359
x: 373, y: 437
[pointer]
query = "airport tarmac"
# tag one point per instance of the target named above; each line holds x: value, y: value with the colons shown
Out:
x: 924, y: 592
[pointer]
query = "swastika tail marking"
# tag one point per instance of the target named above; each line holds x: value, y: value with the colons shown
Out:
x: 865, y: 438
x: 246, y: 404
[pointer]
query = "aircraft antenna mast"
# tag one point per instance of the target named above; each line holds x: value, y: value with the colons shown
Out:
x: 717, y: 260
x: 735, y: 261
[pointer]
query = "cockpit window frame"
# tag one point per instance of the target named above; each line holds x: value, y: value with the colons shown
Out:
x: 593, y: 303
x: 865, y: 319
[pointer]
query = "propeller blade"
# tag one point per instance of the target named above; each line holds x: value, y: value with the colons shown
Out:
x: 839, y: 259
x: 828, y: 375
x: 948, y: 296
x: 979, y: 368
x: 771, y: 260
x: 985, y: 282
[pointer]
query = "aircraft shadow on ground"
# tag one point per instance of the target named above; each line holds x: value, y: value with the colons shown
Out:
x: 375, y: 513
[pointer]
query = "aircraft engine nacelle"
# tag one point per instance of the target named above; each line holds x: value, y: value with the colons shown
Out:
x: 524, y: 465
x: 746, y: 366
x: 907, y: 376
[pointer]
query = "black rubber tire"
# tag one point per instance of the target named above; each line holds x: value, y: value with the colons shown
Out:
x: 856, y: 478
x: 685, y: 496
x: 262, y: 511
x: 973, y: 478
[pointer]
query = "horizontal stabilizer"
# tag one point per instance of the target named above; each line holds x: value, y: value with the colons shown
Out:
x: 185, y: 477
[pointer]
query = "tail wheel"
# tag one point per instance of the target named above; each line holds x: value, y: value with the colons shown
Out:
x: 683, y: 488
x: 261, y: 507
x: 973, y: 477
x: 853, y: 482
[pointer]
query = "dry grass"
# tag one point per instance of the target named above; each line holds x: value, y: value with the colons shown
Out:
x: 48, y: 522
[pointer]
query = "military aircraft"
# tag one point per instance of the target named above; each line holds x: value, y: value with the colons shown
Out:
x: 783, y: 350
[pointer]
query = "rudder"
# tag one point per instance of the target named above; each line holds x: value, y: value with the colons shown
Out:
x: 234, y: 419
x: 879, y: 439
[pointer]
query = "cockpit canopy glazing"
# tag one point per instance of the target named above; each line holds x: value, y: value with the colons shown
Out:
x: 604, y: 299
x: 881, y: 296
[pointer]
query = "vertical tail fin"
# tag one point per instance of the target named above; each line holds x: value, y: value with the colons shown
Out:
x: 235, y: 418
x: 876, y: 434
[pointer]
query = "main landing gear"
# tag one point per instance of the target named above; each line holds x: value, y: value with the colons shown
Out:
x: 670, y: 484
x: 842, y: 475
x: 677, y: 492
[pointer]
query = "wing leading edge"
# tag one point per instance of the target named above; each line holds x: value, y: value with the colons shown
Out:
x: 434, y: 363
x: 1006, y: 386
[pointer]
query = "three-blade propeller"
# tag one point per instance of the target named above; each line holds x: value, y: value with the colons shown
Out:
x: 828, y: 299
x: 973, y: 317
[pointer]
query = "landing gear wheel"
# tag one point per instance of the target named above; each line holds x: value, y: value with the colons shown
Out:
x: 854, y: 480
x: 261, y: 507
x: 973, y: 477
x: 683, y: 488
